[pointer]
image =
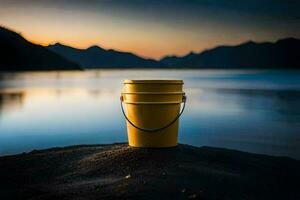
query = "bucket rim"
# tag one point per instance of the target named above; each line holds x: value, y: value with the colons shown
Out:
x: 163, y: 81
x: 151, y: 102
x: 154, y: 93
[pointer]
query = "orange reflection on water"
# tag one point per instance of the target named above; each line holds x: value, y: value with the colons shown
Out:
x: 36, y: 98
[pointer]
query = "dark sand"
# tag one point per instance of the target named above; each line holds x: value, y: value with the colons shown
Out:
x: 118, y: 171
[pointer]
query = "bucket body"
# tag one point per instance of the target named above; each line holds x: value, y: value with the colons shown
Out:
x: 152, y: 104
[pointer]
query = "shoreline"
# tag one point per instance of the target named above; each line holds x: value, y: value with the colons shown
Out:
x: 75, y: 146
x: 114, y: 171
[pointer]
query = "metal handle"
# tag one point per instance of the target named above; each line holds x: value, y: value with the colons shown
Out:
x: 156, y: 129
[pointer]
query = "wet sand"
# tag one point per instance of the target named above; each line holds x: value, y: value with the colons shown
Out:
x: 118, y: 171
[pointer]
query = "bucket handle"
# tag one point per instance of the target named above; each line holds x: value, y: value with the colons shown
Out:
x: 156, y: 129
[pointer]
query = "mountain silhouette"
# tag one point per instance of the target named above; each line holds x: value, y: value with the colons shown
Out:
x: 16, y: 53
x: 284, y: 53
x: 97, y: 57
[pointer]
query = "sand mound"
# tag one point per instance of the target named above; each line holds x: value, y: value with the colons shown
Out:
x: 118, y: 171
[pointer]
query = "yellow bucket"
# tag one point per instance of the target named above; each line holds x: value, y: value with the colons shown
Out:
x: 152, y: 111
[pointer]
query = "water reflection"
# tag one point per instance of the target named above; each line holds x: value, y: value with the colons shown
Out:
x: 252, y: 111
x: 277, y: 103
x: 262, y: 122
x: 10, y: 101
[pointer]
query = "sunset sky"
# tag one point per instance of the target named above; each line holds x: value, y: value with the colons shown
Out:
x: 152, y: 28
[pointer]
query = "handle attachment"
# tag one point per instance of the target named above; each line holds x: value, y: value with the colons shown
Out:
x: 156, y: 129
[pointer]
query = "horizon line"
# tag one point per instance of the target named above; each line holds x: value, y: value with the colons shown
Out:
x: 145, y: 57
x: 170, y: 55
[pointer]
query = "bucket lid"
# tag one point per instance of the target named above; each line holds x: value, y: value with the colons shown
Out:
x: 153, y: 81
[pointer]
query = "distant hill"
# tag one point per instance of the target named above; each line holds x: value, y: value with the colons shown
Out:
x: 284, y: 53
x: 16, y: 53
x: 96, y: 57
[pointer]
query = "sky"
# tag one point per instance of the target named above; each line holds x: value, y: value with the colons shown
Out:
x: 152, y: 28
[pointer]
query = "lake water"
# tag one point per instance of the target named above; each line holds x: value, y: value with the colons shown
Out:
x: 254, y: 111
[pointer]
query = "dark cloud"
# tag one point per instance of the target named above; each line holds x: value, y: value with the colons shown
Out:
x: 186, y: 13
x: 275, y: 8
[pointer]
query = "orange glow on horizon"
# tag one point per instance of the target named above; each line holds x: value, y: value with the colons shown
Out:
x: 154, y: 48
x: 149, y: 51
x: 149, y: 33
x: 136, y: 49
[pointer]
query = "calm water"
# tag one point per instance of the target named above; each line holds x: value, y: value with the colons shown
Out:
x: 255, y: 111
